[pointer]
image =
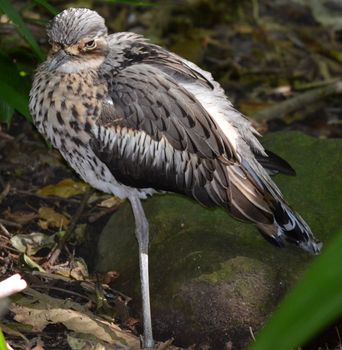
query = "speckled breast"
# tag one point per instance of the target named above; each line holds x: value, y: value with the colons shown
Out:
x: 63, y: 105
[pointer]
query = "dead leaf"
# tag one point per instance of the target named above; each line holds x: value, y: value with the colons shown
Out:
x: 71, y: 319
x: 86, y: 342
x: 78, y: 271
x: 65, y: 189
x: 50, y: 218
x: 39, y: 310
x: 110, y: 202
x: 39, y: 345
x: 32, y: 243
x: 110, y: 277
x: 20, y: 217
x: 165, y: 345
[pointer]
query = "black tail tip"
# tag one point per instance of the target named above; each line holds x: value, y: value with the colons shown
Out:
x: 279, y: 238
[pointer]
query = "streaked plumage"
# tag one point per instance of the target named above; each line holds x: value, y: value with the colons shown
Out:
x: 133, y: 118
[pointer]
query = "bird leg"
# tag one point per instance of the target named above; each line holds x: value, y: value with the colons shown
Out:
x: 141, y: 231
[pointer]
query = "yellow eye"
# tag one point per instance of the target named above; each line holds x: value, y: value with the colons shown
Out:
x: 90, y: 45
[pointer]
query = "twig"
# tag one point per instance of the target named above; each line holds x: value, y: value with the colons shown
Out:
x: 339, y: 336
x: 90, y: 287
x: 315, y: 84
x: 256, y: 14
x: 5, y: 231
x: 10, y: 223
x: 53, y: 198
x: 96, y: 216
x: 53, y: 256
x: 251, y: 333
x: 37, y: 286
x: 5, y: 136
x: 224, y: 64
x: 5, y: 192
x: 279, y: 110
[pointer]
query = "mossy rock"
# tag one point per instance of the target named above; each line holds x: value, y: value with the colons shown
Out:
x: 213, y: 277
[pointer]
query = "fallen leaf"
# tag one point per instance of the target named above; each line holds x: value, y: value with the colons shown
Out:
x: 165, y: 345
x: 110, y: 277
x: 77, y: 271
x: 73, y: 320
x: 20, y: 217
x: 65, y: 189
x: 39, y: 345
x: 86, y: 342
x: 32, y: 264
x: 39, y: 310
x: 110, y: 202
x: 80, y: 270
x: 50, y: 218
x: 32, y: 243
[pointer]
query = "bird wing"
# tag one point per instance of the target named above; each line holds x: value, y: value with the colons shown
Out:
x: 154, y: 133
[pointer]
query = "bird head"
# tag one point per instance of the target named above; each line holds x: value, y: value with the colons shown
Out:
x: 78, y: 38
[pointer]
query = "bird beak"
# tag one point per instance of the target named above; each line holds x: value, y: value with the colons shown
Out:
x: 58, y: 59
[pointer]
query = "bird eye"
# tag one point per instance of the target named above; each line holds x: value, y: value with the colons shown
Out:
x: 90, y: 45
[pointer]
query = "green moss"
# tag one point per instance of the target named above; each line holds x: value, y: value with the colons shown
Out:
x: 230, y: 269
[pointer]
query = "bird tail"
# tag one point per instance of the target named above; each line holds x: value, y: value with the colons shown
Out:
x: 289, y: 227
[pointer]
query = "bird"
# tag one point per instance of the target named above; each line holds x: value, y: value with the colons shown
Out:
x: 134, y: 119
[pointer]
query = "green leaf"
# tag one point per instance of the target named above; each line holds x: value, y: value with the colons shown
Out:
x: 9, y: 72
x: 32, y: 264
x: 15, y: 99
x: 3, y: 345
x: 313, y: 304
x: 6, y: 112
x: 47, y: 6
x: 14, y: 16
x: 14, y: 90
